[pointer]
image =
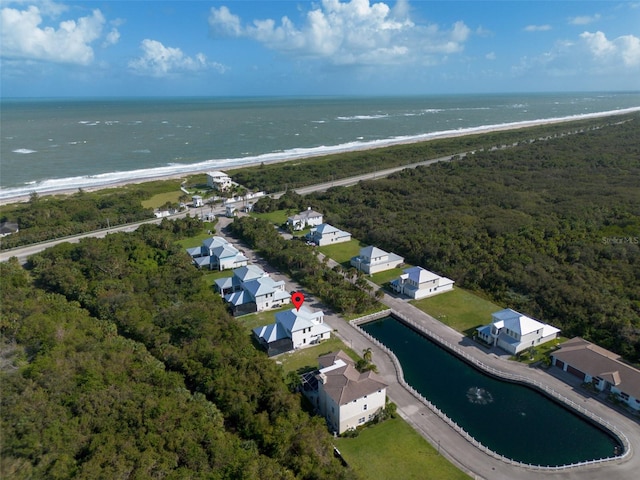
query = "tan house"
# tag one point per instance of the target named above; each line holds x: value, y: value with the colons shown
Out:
x: 346, y: 397
x: 605, y: 370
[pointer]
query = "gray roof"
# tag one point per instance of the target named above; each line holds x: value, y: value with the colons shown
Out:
x: 294, y: 320
x: 345, y: 383
x: 599, y: 362
x: 305, y: 215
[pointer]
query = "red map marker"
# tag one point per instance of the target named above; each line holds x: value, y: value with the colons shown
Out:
x: 297, y: 298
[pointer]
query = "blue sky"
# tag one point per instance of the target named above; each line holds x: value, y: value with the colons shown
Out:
x: 324, y: 47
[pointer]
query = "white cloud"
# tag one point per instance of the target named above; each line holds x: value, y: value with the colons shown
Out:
x: 623, y: 50
x: 590, y: 54
x: 584, y: 19
x: 537, y: 28
x: 357, y: 32
x: 112, y: 37
x: 160, y: 61
x: 24, y: 37
x: 490, y: 56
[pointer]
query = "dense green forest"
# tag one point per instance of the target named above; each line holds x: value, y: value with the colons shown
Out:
x: 551, y: 228
x: 46, y: 218
x: 308, y: 171
x: 119, y: 361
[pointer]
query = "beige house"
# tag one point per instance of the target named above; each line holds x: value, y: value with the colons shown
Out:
x: 605, y: 370
x: 346, y: 397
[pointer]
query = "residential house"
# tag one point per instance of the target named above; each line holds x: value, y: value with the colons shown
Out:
x: 306, y: 218
x: 219, y: 180
x: 605, y: 370
x: 250, y: 289
x: 295, y: 328
x: 373, y: 260
x: 7, y: 228
x: 416, y: 282
x: 515, y: 332
x: 346, y: 397
x: 217, y: 254
x: 325, y: 234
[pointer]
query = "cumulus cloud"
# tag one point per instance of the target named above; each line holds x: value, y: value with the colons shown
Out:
x: 357, y: 32
x: 537, y: 28
x: 159, y: 61
x: 23, y: 35
x: 591, y: 53
x: 584, y: 19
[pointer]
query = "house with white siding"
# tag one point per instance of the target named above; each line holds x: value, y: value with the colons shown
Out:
x: 219, y: 180
x: 295, y: 328
x: 373, y: 260
x: 345, y: 397
x: 325, y: 234
x: 416, y: 283
x: 305, y: 219
x: 250, y: 290
x: 515, y: 332
x: 602, y: 368
x: 216, y: 253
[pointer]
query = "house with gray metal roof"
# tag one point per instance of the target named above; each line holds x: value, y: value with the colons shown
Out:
x: 216, y: 253
x: 373, y: 260
x: 416, y: 283
x: 515, y: 332
x: 325, y: 234
x: 304, y: 219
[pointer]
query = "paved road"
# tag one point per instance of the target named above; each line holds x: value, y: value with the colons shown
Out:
x: 449, y: 443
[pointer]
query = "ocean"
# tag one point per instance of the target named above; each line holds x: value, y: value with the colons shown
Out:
x: 52, y: 144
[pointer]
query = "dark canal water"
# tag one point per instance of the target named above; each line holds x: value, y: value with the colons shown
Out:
x: 512, y: 420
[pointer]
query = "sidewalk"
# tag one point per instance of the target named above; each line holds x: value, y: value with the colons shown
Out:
x: 448, y: 442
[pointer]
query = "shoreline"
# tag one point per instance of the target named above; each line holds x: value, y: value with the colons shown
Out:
x: 344, y: 148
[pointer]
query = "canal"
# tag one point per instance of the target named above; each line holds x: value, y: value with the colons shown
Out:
x: 511, y: 419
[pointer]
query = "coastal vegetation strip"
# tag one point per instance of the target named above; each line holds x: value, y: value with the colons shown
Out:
x: 550, y: 228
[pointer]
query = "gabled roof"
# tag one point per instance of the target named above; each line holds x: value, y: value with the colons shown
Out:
x: 372, y: 252
x: 325, y: 228
x: 271, y: 333
x: 214, y: 242
x: 599, y: 362
x: 261, y: 286
x: 294, y: 320
x: 516, y: 321
x: 420, y: 275
x: 305, y: 215
x: 343, y: 382
x: 249, y: 272
x: 226, y: 282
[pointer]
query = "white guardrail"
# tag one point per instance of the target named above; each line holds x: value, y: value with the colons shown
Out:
x: 497, y: 373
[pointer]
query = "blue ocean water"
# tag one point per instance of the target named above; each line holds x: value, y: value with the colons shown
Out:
x: 52, y: 144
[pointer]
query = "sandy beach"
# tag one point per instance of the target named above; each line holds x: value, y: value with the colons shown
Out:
x: 387, y: 143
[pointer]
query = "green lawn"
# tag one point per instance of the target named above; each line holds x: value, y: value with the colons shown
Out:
x: 277, y: 217
x: 197, y: 240
x: 460, y: 309
x: 342, y: 252
x: 211, y: 276
x: 307, y: 358
x: 161, y: 198
x: 393, y: 449
x: 385, y: 277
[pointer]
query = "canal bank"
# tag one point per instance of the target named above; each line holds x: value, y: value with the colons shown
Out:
x: 461, y: 452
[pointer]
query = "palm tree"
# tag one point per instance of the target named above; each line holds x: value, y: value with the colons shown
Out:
x: 367, y: 354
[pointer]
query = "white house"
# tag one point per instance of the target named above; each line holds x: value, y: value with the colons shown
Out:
x: 325, y: 234
x: 250, y: 289
x: 217, y: 254
x: 219, y: 180
x: 197, y: 201
x: 373, y: 260
x: 515, y: 332
x: 600, y: 367
x: 306, y: 218
x: 346, y: 397
x: 416, y: 282
x: 295, y: 328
